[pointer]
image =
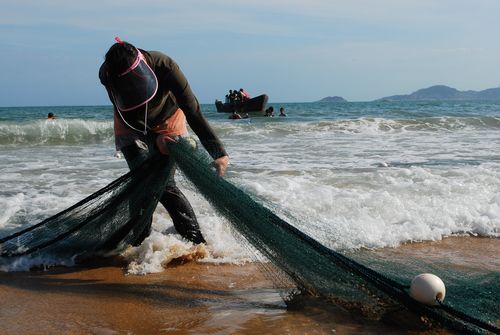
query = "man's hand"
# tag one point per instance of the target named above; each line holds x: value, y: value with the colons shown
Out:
x: 221, y: 164
x: 162, y: 143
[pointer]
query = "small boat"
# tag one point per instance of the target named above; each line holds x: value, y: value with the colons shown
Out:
x: 257, y: 104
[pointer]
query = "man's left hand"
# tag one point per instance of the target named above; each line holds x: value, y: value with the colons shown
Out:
x: 162, y: 142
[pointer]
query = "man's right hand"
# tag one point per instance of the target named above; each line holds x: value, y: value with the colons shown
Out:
x: 221, y: 164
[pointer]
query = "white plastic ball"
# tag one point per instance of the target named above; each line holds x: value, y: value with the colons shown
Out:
x: 426, y: 287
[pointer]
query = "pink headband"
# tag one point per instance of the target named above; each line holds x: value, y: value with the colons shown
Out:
x: 134, y: 64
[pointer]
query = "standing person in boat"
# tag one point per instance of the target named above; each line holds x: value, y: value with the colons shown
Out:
x: 237, y: 96
x: 152, y: 100
x: 244, y: 94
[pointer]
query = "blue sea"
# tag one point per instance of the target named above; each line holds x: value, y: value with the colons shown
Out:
x: 356, y: 175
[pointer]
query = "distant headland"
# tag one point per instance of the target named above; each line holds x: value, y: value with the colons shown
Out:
x: 437, y: 92
x: 332, y: 99
x: 442, y: 92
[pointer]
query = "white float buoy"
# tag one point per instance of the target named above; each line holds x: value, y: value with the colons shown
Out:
x: 426, y: 288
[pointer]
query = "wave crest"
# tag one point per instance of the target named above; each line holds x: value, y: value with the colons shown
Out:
x: 67, y: 131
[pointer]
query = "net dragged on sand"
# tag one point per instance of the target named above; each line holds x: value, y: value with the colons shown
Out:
x: 314, y: 268
x: 120, y: 214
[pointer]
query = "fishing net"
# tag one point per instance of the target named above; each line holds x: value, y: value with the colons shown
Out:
x: 321, y: 271
x: 110, y: 219
x: 120, y: 214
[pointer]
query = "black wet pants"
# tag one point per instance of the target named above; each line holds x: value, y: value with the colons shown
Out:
x: 174, y: 201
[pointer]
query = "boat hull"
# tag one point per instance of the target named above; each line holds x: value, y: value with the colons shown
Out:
x: 257, y: 104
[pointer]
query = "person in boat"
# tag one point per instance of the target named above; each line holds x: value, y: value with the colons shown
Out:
x: 282, y: 111
x: 152, y: 101
x: 51, y: 116
x: 234, y: 115
x: 244, y: 95
x: 237, y: 96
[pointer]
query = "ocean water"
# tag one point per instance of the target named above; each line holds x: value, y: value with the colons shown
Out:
x: 354, y: 175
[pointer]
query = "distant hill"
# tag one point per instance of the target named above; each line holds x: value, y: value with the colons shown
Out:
x: 442, y: 92
x: 333, y: 99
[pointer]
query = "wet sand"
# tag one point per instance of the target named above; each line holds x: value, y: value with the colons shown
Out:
x: 196, y: 298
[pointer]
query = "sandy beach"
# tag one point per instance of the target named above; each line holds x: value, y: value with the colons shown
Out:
x: 194, y: 298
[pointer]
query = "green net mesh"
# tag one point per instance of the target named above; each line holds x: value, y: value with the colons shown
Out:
x: 113, y: 217
x: 475, y: 292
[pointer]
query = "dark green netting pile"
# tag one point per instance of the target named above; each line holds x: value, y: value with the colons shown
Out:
x: 120, y: 214
x: 113, y: 217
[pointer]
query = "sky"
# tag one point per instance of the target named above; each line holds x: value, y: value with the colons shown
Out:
x: 294, y: 51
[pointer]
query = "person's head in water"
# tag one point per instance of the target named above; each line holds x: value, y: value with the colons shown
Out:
x: 51, y: 116
x: 128, y: 76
